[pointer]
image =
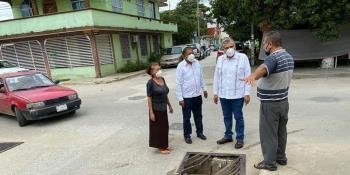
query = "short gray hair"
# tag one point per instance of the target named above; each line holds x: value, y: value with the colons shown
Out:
x: 274, y: 37
x: 228, y: 40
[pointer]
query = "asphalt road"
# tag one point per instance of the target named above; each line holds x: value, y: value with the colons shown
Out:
x: 109, y: 135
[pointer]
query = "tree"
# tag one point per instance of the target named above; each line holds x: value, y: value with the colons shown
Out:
x: 185, y: 16
x: 324, y: 17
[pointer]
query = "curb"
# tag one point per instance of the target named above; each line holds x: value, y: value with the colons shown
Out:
x: 305, y: 76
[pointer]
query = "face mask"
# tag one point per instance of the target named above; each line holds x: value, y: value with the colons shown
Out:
x: 191, y: 58
x: 230, y: 52
x: 159, y: 74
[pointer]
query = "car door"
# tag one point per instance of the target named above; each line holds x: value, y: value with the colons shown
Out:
x: 5, y: 106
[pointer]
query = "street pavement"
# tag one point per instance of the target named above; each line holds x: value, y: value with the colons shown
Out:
x: 109, y: 134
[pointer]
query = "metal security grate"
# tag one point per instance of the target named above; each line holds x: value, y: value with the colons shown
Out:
x: 8, y: 145
x: 212, y: 164
x: 104, y: 49
x: 69, y: 52
x: 25, y: 54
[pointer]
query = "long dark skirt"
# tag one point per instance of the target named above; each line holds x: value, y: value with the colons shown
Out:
x: 159, y: 130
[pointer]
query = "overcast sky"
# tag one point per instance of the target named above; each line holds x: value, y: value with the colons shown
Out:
x: 173, y: 4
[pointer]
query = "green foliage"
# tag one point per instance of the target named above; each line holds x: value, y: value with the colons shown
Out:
x: 185, y: 16
x: 324, y: 17
x: 154, y: 57
x: 131, y: 66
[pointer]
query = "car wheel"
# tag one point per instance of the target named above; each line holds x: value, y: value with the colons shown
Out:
x: 22, y: 121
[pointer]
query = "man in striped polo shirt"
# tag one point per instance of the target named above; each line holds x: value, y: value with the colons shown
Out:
x: 275, y: 75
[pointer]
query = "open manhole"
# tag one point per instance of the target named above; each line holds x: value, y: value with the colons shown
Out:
x: 196, y: 163
x: 177, y: 126
x: 8, y: 145
x: 325, y: 99
x: 140, y: 97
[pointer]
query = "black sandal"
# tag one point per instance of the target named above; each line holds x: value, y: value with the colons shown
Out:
x: 262, y: 166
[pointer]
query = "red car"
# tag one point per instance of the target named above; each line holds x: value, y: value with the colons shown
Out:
x: 32, y: 96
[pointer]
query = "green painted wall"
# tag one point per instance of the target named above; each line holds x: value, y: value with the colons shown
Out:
x: 118, y: 56
x: 81, y: 19
x: 74, y: 73
x: 64, y: 5
x: 129, y: 6
x: 107, y: 69
x: 166, y: 40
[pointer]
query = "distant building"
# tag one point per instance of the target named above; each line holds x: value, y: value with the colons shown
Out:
x: 83, y: 38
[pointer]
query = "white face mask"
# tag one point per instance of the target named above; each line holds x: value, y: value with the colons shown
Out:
x: 230, y: 52
x: 159, y: 74
x: 191, y: 58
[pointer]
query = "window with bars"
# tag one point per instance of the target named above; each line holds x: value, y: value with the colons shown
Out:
x: 78, y: 4
x: 143, y: 45
x: 117, y: 5
x: 26, y: 8
x: 152, y: 10
x: 155, y: 43
x: 140, y: 7
x: 125, y: 45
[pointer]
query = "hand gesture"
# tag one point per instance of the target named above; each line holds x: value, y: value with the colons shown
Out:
x: 205, y: 94
x: 216, y: 99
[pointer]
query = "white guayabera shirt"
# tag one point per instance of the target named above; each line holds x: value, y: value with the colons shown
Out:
x: 189, y: 80
x: 227, y: 83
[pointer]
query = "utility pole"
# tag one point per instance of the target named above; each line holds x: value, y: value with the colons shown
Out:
x: 198, y: 26
x: 252, y: 44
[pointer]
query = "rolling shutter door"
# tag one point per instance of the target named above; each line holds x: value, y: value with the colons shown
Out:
x: 104, y: 49
x: 26, y: 54
x: 69, y: 52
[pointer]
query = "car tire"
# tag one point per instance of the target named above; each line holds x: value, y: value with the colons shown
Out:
x: 73, y: 112
x: 22, y: 121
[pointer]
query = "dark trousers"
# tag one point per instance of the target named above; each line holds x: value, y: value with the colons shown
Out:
x: 193, y: 105
x: 233, y: 107
x: 273, y: 130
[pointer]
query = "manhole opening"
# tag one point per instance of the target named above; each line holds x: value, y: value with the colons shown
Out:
x: 325, y: 99
x: 8, y: 145
x: 212, y: 164
x: 137, y: 97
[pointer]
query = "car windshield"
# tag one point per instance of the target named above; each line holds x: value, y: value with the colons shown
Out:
x: 5, y: 64
x: 173, y: 51
x: 25, y: 82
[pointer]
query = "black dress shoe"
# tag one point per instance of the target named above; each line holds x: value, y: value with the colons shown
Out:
x: 282, y: 162
x: 223, y: 141
x: 262, y: 166
x: 202, y: 136
x: 188, y: 140
x: 239, y: 144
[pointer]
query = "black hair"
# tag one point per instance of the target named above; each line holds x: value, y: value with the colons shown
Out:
x: 185, y: 49
x: 150, y: 67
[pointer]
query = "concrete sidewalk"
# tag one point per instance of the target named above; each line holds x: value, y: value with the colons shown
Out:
x: 104, y: 80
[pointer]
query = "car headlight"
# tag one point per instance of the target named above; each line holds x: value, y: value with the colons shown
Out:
x: 35, y: 105
x: 73, y: 97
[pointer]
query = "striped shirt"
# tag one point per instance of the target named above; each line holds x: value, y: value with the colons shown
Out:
x: 275, y: 85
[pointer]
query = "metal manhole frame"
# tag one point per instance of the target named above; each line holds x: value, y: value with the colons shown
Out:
x: 15, y: 144
x: 242, y: 160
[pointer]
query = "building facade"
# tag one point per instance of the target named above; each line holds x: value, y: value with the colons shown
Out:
x: 83, y: 38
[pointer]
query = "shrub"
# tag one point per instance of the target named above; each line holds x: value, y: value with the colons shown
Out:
x: 131, y: 66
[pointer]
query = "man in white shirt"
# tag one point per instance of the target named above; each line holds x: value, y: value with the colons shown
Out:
x: 233, y: 93
x: 189, y: 87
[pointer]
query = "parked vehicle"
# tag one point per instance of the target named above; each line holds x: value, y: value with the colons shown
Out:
x: 207, y: 51
x: 6, y: 67
x: 214, y: 47
x: 32, y: 96
x: 171, y: 56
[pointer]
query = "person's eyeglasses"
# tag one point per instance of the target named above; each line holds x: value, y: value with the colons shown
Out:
x: 229, y: 47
